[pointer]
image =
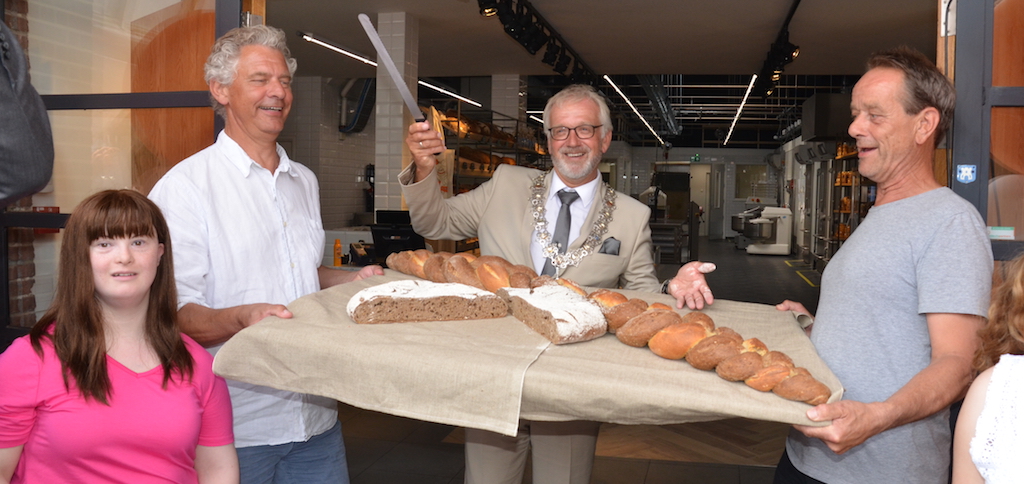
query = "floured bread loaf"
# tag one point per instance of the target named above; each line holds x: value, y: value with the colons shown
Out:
x: 412, y: 300
x: 557, y: 312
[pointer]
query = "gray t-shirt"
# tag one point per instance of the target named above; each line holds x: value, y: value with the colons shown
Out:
x: 924, y: 254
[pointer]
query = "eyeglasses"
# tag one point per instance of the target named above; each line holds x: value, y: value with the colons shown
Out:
x: 583, y: 131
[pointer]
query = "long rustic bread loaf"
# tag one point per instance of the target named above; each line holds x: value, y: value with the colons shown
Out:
x: 412, y: 300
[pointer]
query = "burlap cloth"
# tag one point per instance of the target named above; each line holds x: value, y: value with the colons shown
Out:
x: 488, y: 374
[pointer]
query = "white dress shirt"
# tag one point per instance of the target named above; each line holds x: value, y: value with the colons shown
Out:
x: 578, y: 211
x: 242, y: 235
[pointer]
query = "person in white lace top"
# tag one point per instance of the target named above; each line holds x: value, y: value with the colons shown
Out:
x: 988, y: 444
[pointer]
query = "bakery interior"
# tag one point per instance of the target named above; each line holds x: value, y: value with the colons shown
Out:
x: 757, y: 176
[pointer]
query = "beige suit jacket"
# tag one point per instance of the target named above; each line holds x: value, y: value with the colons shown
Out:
x: 498, y: 212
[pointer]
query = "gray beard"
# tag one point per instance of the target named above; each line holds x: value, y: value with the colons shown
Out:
x: 575, y: 172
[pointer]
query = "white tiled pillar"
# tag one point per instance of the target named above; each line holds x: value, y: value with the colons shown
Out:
x: 508, y: 97
x: 400, y: 35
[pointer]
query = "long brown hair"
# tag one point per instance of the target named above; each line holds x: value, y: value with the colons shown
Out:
x: 1004, y: 332
x: 75, y: 314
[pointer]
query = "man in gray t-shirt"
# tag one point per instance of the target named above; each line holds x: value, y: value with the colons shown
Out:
x: 901, y: 301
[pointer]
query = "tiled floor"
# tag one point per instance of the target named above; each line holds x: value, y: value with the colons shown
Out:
x: 384, y: 449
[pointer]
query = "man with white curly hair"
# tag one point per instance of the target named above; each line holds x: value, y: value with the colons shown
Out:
x: 245, y: 220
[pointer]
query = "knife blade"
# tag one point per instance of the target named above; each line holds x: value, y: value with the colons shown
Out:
x: 384, y: 58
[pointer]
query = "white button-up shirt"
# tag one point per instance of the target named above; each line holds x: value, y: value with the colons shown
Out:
x: 243, y: 235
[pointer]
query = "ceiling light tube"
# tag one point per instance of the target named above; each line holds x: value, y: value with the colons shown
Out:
x: 322, y: 43
x: 609, y: 80
x: 452, y: 94
x: 535, y: 118
x: 740, y: 109
x: 331, y: 46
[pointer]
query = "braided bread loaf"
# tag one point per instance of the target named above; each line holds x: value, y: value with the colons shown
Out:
x: 695, y: 337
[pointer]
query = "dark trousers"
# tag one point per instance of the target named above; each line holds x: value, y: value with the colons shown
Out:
x: 787, y: 473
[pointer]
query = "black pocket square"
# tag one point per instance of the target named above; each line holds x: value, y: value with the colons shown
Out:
x: 610, y: 246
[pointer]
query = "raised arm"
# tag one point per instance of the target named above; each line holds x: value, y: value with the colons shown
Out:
x: 424, y: 142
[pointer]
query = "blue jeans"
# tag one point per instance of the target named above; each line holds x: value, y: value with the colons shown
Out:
x: 320, y: 460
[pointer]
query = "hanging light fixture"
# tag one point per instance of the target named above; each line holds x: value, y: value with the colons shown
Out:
x: 563, y: 62
x: 552, y: 53
x: 488, y: 8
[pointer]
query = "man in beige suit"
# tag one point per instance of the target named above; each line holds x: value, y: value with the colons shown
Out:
x: 514, y: 216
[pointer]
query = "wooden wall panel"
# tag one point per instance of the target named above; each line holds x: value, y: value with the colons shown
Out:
x: 1008, y: 70
x: 169, y: 48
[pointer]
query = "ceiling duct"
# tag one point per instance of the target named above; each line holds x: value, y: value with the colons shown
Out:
x: 655, y: 90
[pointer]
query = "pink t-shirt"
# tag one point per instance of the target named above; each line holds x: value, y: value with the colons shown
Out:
x: 148, y: 434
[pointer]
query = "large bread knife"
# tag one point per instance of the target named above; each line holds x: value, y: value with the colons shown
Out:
x: 384, y: 58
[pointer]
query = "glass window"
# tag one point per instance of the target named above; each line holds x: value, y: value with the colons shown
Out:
x: 114, y: 46
x: 752, y: 181
x: 1006, y: 188
x: 1007, y: 48
x: 100, y: 47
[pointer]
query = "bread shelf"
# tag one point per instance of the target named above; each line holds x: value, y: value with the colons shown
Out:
x: 842, y: 200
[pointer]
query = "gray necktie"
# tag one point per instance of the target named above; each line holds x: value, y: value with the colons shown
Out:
x: 562, y: 225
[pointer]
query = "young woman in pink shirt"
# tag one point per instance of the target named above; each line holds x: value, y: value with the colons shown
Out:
x: 105, y: 389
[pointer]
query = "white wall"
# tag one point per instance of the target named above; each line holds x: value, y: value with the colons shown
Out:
x: 312, y: 138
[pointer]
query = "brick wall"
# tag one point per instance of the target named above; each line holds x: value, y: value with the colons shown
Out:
x: 20, y: 249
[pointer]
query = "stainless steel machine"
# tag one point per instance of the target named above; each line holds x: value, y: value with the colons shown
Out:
x: 765, y: 230
x: 771, y: 233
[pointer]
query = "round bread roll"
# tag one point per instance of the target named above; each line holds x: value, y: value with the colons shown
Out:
x: 640, y: 329
x: 520, y: 276
x: 607, y: 299
x: 619, y: 315
x: 493, y: 276
x: 469, y: 256
x: 433, y: 267
x: 516, y: 268
x: 711, y: 351
x: 802, y: 387
x: 458, y: 269
x: 700, y: 318
x: 673, y: 342
x: 519, y: 280
x: 659, y: 305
